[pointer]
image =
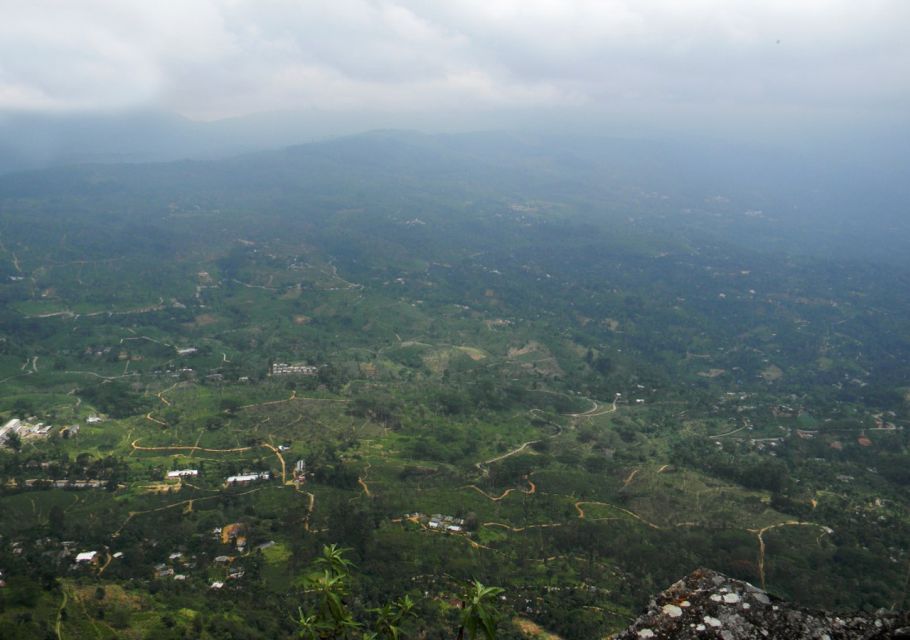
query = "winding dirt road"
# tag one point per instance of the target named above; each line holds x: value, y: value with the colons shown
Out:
x: 532, y: 489
x: 185, y: 447
x: 519, y: 449
x: 595, y: 410
x: 187, y: 504
x: 761, y: 541
x: 361, y: 480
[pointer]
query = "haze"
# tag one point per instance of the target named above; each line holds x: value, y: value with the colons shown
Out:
x: 820, y: 89
x: 745, y: 69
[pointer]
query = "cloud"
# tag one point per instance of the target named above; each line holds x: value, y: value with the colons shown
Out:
x: 217, y: 58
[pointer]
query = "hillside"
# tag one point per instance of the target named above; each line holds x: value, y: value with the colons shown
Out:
x: 565, y: 369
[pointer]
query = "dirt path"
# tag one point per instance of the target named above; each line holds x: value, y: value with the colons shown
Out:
x: 663, y: 468
x: 196, y: 444
x: 107, y: 562
x: 271, y: 402
x: 53, y: 314
x: 550, y: 525
x: 629, y: 479
x: 581, y: 513
x: 274, y: 449
x: 147, y: 309
x: 59, y: 626
x: 310, y: 508
x: 21, y: 375
x: 187, y: 504
x: 506, y: 455
x: 555, y: 425
x: 350, y: 285
x: 253, y: 286
x: 595, y: 410
x: 761, y: 541
x: 98, y: 375
x: 187, y: 448
x: 164, y: 344
x: 594, y: 407
x: 291, y: 399
x: 161, y: 397
x: 532, y: 489
x: 361, y: 480
x: 149, y: 417
x: 487, y: 495
x: 728, y: 433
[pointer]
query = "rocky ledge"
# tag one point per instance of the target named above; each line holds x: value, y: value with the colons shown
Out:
x: 707, y: 604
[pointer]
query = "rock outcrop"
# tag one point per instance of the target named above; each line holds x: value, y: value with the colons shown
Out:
x: 707, y: 604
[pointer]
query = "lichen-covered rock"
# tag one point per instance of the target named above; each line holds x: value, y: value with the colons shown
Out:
x: 708, y: 604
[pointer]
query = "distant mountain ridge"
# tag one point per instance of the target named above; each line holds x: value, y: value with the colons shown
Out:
x: 750, y: 196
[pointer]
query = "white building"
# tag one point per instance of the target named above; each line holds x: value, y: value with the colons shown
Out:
x: 183, y: 473
x: 13, y: 426
x: 247, y: 478
x: 284, y: 369
x: 86, y: 557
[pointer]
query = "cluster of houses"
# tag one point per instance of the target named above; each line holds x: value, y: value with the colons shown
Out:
x: 44, y: 483
x: 90, y: 558
x: 284, y: 369
x: 229, y: 534
x: 165, y: 570
x: 438, y: 522
x: 24, y: 430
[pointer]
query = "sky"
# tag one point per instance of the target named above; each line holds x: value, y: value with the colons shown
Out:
x: 770, y: 64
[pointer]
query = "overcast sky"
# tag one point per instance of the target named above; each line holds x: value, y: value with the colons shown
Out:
x: 765, y: 62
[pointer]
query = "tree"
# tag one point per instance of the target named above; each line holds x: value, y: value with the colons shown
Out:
x: 332, y: 618
x: 14, y: 441
x: 230, y: 406
x: 478, y: 612
x: 390, y: 616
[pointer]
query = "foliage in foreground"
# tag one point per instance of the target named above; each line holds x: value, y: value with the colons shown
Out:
x: 332, y: 618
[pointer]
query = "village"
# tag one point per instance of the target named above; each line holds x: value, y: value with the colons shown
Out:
x: 226, y: 563
x: 17, y: 430
x: 437, y: 522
